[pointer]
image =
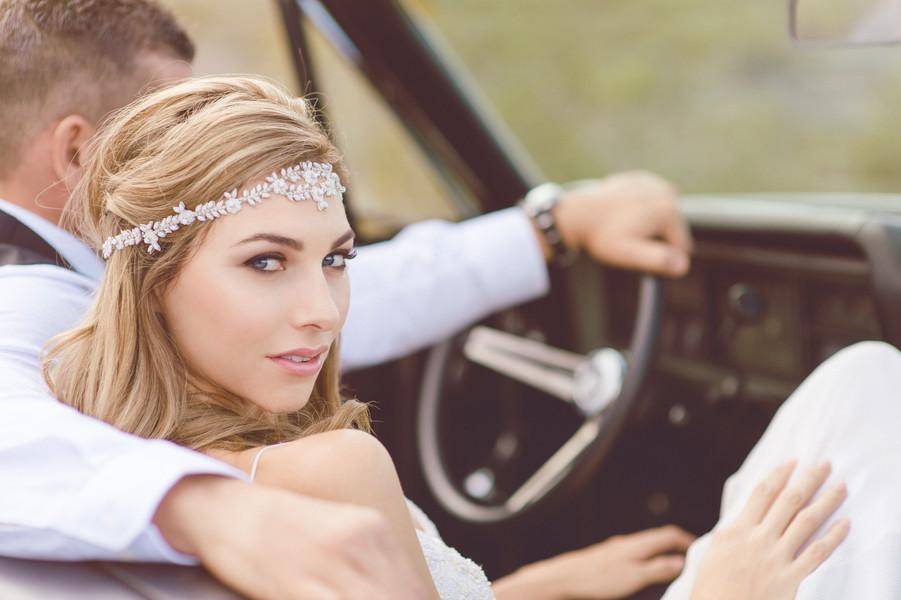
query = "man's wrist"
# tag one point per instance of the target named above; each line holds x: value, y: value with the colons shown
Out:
x: 542, y: 206
x: 546, y: 251
x: 183, y: 517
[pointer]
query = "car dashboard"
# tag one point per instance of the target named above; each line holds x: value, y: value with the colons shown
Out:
x: 778, y: 284
x: 760, y: 309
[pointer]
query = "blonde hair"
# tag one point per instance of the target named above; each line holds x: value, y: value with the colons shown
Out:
x: 193, y: 141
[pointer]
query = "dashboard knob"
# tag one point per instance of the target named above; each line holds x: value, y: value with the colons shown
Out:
x: 745, y: 302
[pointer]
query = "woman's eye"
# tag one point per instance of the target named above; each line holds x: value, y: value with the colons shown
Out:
x: 267, y: 263
x: 338, y: 260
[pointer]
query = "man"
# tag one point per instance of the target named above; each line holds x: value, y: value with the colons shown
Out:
x: 75, y: 488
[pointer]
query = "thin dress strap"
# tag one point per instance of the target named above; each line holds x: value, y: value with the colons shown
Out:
x: 256, y: 459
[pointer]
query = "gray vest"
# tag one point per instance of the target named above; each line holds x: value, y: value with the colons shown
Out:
x: 19, y: 245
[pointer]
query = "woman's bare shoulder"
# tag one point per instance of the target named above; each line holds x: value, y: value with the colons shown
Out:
x: 341, y: 465
x: 339, y: 447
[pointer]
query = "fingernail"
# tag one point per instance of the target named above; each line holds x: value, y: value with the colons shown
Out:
x: 841, y: 488
x: 825, y: 466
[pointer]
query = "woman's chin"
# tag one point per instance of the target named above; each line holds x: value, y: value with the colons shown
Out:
x: 287, y: 403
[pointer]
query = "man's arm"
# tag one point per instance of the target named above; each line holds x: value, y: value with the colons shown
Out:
x: 75, y: 488
x: 436, y: 278
x: 270, y: 543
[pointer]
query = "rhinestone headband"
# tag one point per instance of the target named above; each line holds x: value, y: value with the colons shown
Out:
x: 307, y: 181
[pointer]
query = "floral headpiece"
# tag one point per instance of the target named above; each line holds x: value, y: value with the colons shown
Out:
x: 307, y: 181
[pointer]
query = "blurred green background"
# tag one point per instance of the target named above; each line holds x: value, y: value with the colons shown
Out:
x: 709, y: 93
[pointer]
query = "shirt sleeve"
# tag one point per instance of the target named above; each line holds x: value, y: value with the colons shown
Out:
x: 74, y: 488
x: 436, y: 278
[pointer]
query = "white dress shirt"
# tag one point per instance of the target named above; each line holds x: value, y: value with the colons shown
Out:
x: 75, y: 488
x: 433, y: 279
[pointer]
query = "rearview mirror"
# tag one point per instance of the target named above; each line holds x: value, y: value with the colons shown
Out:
x: 845, y: 22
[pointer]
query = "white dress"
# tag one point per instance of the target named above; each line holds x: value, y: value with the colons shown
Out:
x: 455, y: 576
x: 848, y: 412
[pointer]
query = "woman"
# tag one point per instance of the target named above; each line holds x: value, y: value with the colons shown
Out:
x: 217, y: 322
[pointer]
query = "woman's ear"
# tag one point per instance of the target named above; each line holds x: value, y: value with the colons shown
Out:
x: 69, y: 147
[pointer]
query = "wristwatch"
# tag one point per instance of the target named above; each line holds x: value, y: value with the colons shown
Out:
x: 539, y: 205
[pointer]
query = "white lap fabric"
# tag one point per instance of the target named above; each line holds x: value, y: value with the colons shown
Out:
x: 848, y: 412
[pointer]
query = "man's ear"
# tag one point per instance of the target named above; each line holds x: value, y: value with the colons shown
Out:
x: 69, y: 148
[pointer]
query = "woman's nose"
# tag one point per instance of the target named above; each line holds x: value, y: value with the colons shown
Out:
x: 315, y: 305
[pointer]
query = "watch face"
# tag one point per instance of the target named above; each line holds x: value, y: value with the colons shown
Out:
x: 542, y: 198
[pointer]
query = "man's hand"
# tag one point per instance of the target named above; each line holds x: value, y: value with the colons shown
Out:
x: 269, y: 543
x: 630, y: 220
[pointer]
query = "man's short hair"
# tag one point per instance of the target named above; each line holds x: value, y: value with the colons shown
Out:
x: 60, y: 57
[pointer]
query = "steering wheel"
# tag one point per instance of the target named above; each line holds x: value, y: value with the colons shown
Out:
x: 601, y: 386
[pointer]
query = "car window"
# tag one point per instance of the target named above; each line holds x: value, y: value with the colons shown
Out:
x: 392, y: 182
x: 709, y: 93
x: 235, y: 36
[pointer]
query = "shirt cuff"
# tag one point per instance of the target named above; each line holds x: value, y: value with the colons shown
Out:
x: 152, y: 543
x: 115, y: 510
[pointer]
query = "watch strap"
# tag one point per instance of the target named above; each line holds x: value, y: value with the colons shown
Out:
x: 538, y: 205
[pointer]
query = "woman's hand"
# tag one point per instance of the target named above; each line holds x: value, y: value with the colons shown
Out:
x: 615, y: 568
x: 762, y: 555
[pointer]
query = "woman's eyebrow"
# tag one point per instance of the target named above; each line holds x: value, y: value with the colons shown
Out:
x: 347, y: 235
x: 291, y: 242
x: 275, y: 239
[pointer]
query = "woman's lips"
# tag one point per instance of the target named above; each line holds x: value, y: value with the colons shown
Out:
x: 302, y: 369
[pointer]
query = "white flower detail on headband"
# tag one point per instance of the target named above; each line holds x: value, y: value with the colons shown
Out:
x: 307, y: 181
